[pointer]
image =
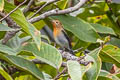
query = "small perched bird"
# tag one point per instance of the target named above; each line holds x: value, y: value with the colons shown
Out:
x: 60, y: 36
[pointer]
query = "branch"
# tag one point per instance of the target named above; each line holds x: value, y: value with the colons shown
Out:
x: 47, y: 3
x: 28, y: 6
x: 57, y: 12
x: 13, y: 10
x: 58, y: 75
x: 67, y: 56
x: 11, y: 24
x: 8, y: 36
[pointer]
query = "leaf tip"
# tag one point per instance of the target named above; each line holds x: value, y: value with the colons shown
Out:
x: 38, y: 47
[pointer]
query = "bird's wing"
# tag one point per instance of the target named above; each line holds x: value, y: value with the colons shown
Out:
x: 65, y: 34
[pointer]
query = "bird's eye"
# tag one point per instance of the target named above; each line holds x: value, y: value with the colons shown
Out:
x: 57, y: 22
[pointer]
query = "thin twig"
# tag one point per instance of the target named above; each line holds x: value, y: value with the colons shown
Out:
x: 58, y: 75
x: 13, y: 10
x: 47, y: 3
x: 34, y: 8
x: 77, y: 50
x: 58, y: 12
x: 28, y: 6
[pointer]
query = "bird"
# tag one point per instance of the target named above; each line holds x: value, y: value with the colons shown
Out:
x: 61, y: 37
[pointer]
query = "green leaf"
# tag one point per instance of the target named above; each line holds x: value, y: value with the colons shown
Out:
x: 97, y: 9
x: 107, y: 66
x: 39, y: 24
x: 7, y: 50
x: 93, y: 72
x: 118, y: 75
x: 35, y: 35
x: 47, y: 54
x: 5, y: 28
x: 103, y: 29
x: 46, y: 38
x: 103, y: 78
x: 5, y: 74
x: 112, y: 20
x: 17, y: 16
x: 104, y: 73
x: 115, y: 8
x: 62, y: 4
x: 16, y: 42
x: 111, y: 54
x: 2, y: 34
x: 25, y: 77
x: 114, y: 41
x: 1, y: 5
x: 23, y: 64
x: 20, y: 19
x: 75, y: 70
x: 83, y: 30
x: 47, y: 77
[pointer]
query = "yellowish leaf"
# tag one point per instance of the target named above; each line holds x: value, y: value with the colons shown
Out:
x: 1, y: 5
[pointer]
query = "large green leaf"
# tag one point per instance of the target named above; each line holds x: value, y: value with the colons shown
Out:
x: 5, y: 28
x: 1, y: 5
x: 75, y: 70
x: 93, y: 72
x: 83, y: 30
x: 7, y: 50
x: 5, y: 74
x: 17, y: 16
x: 20, y: 19
x: 110, y: 54
x: 103, y: 29
x: 47, y: 54
x: 23, y: 64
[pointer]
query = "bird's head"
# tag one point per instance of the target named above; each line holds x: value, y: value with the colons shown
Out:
x: 56, y: 24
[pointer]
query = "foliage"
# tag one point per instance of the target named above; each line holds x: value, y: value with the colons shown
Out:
x: 31, y: 54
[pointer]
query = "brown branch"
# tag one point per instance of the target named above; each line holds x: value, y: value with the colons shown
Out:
x: 34, y: 8
x: 59, y: 74
x: 13, y: 10
x: 47, y: 3
x: 8, y: 36
x: 28, y: 6
x: 57, y: 12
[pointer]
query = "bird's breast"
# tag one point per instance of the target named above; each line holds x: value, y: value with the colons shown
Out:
x: 61, y: 40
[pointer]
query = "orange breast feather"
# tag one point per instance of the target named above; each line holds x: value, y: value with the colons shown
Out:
x: 56, y: 32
